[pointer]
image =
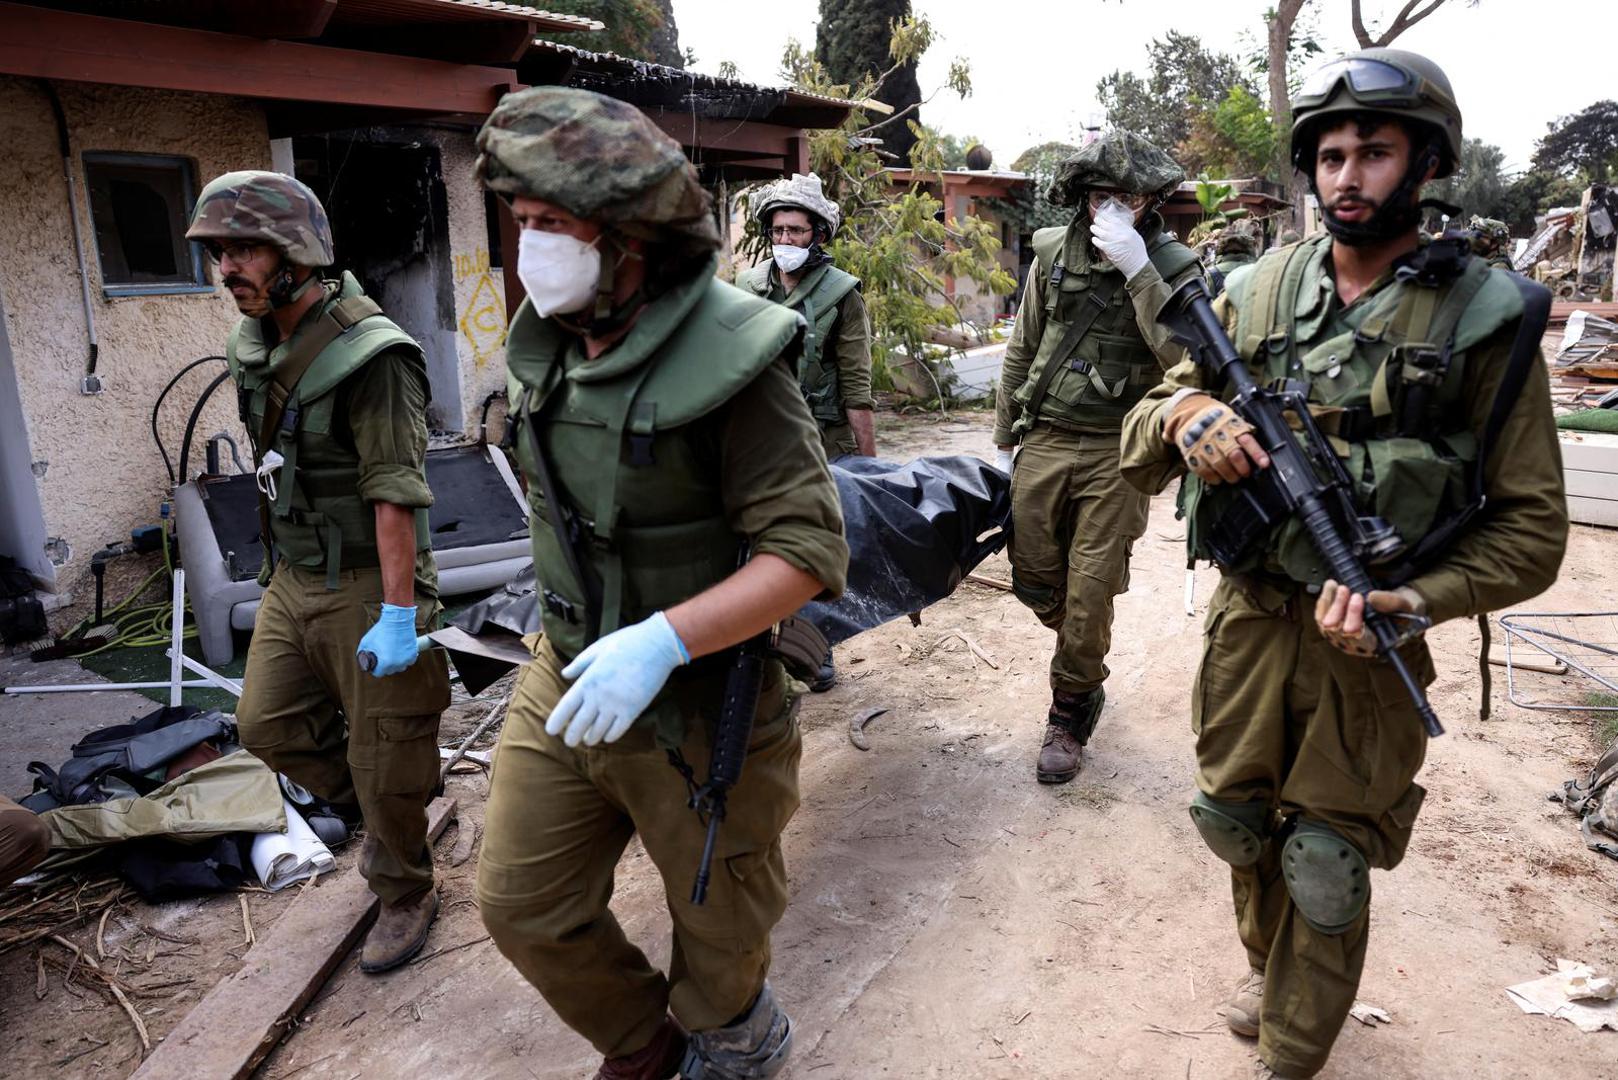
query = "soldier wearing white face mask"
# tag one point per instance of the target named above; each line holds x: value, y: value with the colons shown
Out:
x: 1086, y: 347
x: 835, y: 369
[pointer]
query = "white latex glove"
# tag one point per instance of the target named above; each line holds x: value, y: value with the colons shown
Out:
x: 1003, y: 457
x: 1114, y: 234
x: 616, y: 679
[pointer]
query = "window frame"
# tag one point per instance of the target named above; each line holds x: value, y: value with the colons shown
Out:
x: 199, y: 283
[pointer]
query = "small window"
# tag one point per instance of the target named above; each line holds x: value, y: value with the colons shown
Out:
x: 140, y: 205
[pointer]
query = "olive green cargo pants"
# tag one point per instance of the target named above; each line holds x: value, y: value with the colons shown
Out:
x: 1074, y: 526
x: 1282, y: 716
x: 307, y: 710
x: 557, y: 822
x: 838, y: 439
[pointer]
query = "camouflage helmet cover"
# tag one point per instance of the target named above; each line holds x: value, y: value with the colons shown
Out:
x: 267, y: 208
x: 800, y: 192
x: 600, y: 159
x: 1119, y: 160
x: 1489, y: 234
x: 1428, y: 98
x: 1239, y: 237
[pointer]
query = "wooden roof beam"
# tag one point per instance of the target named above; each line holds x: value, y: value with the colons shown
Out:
x: 502, y: 42
x: 42, y: 43
x: 286, y: 19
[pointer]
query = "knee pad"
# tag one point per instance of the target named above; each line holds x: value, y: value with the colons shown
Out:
x: 1042, y: 600
x: 1234, y: 831
x: 755, y: 1047
x: 1327, y: 876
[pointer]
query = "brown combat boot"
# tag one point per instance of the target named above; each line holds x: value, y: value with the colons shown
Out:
x: 1246, y: 1004
x: 1072, y: 718
x: 399, y: 933
x: 657, y: 1060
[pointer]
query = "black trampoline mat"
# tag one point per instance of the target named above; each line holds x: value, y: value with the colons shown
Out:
x: 472, y: 506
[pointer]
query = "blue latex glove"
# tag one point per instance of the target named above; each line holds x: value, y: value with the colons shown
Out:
x: 617, y: 678
x: 392, y: 640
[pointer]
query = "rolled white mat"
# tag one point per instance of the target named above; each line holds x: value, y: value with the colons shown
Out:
x: 282, y: 859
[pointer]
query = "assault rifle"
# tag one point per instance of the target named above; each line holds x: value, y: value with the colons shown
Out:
x: 1307, y: 482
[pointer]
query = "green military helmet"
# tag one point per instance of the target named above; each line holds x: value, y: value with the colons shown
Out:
x: 1120, y: 161
x: 267, y: 208
x: 1489, y: 235
x: 600, y: 159
x: 1239, y: 237
x: 1391, y: 81
x: 799, y: 192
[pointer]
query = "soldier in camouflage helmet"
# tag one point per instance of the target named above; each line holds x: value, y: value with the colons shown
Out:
x: 1307, y: 744
x: 658, y: 421
x: 336, y: 396
x: 1235, y: 245
x: 1085, y: 348
x: 1491, y: 241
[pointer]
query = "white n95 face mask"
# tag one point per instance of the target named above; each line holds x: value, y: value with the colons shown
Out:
x: 789, y: 257
x: 560, y: 272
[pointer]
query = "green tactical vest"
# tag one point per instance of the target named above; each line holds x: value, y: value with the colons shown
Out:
x: 818, y: 296
x: 615, y: 432
x: 1101, y: 375
x: 1411, y: 457
x: 318, y: 518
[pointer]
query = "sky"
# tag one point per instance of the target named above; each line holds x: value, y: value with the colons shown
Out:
x: 1515, y: 65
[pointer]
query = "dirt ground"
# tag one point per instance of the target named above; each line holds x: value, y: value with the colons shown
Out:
x: 953, y: 918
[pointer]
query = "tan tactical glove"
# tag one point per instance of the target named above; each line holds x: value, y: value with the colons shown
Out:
x: 1217, y: 444
x: 1340, y: 615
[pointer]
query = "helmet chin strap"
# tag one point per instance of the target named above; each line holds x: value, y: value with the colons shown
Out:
x: 1396, y: 216
x: 605, y: 316
x: 283, y: 291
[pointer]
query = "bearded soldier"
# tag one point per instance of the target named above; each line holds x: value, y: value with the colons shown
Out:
x: 660, y: 427
x: 334, y: 397
x: 1085, y: 348
x: 1424, y: 375
x: 835, y: 368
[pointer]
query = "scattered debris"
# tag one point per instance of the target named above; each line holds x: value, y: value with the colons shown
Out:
x: 1369, y: 1015
x: 856, y: 727
x: 112, y: 987
x: 1585, y: 641
x: 466, y: 838
x: 424, y: 957
x: 1548, y: 996
x: 990, y: 582
x: 957, y: 632
x: 247, y: 921
x: 1583, y: 983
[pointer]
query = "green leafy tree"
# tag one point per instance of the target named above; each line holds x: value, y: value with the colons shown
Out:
x: 639, y: 29
x: 1182, y: 78
x: 898, y: 242
x: 1479, y: 184
x: 853, y: 42
x: 1234, y: 138
x: 1587, y: 141
x: 954, y: 148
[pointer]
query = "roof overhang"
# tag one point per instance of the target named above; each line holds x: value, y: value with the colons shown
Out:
x: 970, y: 183
x: 362, y: 86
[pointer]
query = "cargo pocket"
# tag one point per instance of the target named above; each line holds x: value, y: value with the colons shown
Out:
x: 407, y: 754
x: 1397, y: 825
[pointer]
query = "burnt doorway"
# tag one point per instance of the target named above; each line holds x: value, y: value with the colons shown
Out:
x: 384, y: 194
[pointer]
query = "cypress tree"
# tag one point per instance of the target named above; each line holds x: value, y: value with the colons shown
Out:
x: 852, y: 42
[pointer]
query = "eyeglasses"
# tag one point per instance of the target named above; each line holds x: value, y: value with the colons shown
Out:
x: 240, y: 251
x: 1369, y: 81
x: 1098, y: 198
x: 789, y: 232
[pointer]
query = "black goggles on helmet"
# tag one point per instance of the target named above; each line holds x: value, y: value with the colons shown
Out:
x: 1370, y: 82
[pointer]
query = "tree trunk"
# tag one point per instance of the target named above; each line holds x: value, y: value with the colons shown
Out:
x: 1280, y: 37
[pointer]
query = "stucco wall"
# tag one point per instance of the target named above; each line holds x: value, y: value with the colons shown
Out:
x: 480, y: 292
x: 97, y: 470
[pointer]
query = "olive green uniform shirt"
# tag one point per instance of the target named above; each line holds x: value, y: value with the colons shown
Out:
x: 384, y: 406
x: 1514, y: 549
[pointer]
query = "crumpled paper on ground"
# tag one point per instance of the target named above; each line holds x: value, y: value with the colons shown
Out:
x: 1549, y: 997
x: 282, y: 859
x: 1369, y: 1015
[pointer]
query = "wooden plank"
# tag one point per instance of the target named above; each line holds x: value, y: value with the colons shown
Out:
x: 240, y: 1020
x: 40, y: 43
